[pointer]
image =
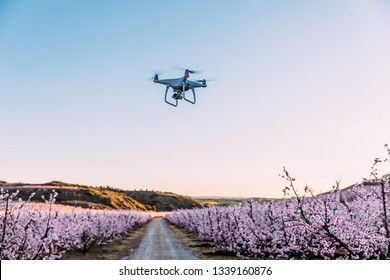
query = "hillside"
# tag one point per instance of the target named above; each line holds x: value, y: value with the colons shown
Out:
x: 164, y: 201
x: 103, y: 197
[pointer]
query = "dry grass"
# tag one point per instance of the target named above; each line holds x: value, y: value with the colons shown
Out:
x: 113, y: 251
x: 123, y: 247
x: 201, y: 249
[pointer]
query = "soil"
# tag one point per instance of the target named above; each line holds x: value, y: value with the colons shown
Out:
x: 129, y: 247
x: 113, y: 251
x: 201, y: 249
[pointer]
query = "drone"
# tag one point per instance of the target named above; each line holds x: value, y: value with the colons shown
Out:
x: 180, y: 86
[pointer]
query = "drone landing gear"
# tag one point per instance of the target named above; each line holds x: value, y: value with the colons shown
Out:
x: 179, y: 95
x: 166, y: 100
x: 193, y: 94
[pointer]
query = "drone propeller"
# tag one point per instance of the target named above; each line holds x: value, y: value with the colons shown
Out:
x: 155, y: 74
x: 193, y: 71
x: 189, y: 70
x: 207, y: 80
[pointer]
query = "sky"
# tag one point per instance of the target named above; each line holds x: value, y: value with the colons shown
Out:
x: 300, y: 84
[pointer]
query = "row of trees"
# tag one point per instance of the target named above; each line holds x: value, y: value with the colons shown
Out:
x: 341, y: 224
x: 46, y: 231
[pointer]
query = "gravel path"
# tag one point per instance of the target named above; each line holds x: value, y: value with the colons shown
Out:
x: 159, y: 243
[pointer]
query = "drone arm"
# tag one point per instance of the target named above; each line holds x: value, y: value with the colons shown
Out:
x: 193, y: 93
x: 166, y: 100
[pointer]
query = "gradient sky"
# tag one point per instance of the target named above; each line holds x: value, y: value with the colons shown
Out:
x: 301, y: 84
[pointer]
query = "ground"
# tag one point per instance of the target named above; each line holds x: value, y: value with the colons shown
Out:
x: 156, y: 240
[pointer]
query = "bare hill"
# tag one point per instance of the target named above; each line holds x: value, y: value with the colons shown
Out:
x: 164, y: 201
x: 103, y: 197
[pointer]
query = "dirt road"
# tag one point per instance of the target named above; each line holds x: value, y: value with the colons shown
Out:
x: 159, y: 243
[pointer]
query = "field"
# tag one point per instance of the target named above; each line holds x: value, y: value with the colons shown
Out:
x: 352, y: 223
x: 46, y: 231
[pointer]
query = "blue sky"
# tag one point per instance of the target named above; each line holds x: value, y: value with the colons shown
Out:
x: 302, y: 84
